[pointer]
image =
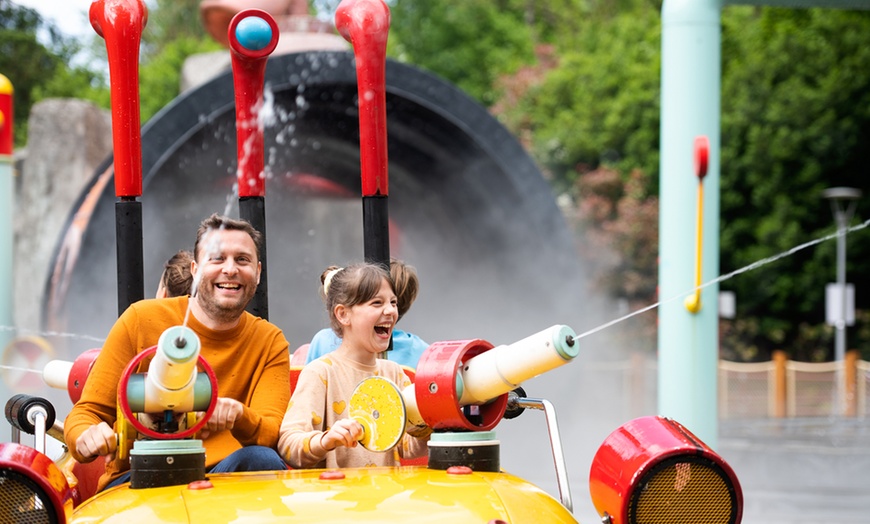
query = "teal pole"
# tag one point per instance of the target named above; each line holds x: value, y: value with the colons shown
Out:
x: 7, y: 191
x: 688, y: 349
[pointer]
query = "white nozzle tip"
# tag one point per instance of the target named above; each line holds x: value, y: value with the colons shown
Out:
x: 56, y: 373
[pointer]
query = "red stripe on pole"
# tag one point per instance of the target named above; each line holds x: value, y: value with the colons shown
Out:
x: 365, y: 24
x: 6, y: 117
x: 120, y: 23
x: 249, y: 69
x: 702, y: 155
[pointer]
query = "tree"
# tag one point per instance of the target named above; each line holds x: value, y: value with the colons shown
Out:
x: 173, y: 33
x: 795, y: 120
x: 468, y: 42
x: 600, y: 106
x: 795, y: 116
x: 45, y: 71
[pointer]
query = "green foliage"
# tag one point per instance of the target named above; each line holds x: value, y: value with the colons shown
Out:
x: 600, y: 107
x: 795, y: 118
x: 173, y: 33
x: 169, y: 22
x: 37, y: 70
x: 468, y: 42
x: 160, y: 77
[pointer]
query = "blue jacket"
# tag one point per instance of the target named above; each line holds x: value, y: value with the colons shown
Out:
x: 406, y: 351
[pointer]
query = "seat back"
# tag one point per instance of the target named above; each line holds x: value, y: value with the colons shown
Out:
x: 297, y: 362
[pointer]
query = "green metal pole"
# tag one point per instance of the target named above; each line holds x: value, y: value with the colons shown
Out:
x: 688, y: 342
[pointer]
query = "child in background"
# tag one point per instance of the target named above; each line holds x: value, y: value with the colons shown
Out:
x: 407, y: 347
x: 176, y: 280
x: 316, y: 431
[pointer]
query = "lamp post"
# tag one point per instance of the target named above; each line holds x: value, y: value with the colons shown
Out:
x: 843, y: 201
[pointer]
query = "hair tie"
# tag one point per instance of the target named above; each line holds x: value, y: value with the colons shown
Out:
x: 328, y: 279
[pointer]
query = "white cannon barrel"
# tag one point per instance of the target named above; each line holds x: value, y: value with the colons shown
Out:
x: 171, y: 377
x: 56, y: 373
x: 503, y: 368
x: 446, y: 382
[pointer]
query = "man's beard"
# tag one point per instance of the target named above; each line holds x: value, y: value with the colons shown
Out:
x: 221, y: 311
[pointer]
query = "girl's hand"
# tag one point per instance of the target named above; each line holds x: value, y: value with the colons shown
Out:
x: 346, y: 432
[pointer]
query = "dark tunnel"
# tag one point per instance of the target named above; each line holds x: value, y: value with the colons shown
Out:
x: 468, y: 207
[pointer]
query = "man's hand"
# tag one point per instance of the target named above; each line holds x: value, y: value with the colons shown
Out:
x: 345, y: 432
x: 224, y: 416
x: 98, y: 440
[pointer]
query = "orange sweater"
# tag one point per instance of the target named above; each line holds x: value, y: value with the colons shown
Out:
x: 251, y: 362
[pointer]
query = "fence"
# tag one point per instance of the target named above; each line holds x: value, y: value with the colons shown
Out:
x: 778, y: 388
x: 785, y: 388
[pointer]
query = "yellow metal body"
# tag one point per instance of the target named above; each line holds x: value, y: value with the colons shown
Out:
x: 401, y: 494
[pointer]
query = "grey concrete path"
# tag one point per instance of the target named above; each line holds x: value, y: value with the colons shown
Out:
x: 801, y: 471
x: 795, y: 471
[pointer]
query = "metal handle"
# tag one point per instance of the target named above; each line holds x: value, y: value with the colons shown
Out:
x: 555, y: 442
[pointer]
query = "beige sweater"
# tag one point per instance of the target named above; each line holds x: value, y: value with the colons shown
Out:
x: 320, y: 399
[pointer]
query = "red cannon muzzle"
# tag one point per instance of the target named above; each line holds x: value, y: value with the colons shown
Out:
x: 652, y: 470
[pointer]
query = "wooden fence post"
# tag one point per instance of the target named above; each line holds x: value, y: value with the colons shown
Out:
x: 851, y: 371
x: 779, y: 383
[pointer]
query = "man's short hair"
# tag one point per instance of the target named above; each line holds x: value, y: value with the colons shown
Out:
x: 216, y: 222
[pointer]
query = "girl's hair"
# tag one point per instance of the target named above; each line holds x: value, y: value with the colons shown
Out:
x: 405, y: 283
x: 176, y: 278
x: 355, y: 284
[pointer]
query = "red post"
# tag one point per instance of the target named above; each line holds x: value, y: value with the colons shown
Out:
x: 253, y: 35
x: 120, y: 23
x: 365, y: 24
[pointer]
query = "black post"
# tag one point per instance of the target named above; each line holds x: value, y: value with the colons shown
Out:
x: 128, y: 236
x: 253, y: 210
x: 376, y: 230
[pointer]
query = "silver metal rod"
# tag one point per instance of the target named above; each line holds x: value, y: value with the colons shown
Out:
x: 555, y: 445
x: 37, y: 416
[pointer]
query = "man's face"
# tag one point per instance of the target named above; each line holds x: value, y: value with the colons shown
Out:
x: 228, y: 272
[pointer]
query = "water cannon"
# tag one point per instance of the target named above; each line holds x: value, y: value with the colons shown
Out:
x: 172, y: 382
x: 453, y: 375
x: 158, y: 409
x: 461, y: 391
x: 162, y: 405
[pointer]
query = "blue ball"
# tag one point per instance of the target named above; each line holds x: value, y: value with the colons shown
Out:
x: 254, y: 33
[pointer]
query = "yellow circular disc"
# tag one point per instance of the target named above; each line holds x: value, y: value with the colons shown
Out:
x: 377, y: 404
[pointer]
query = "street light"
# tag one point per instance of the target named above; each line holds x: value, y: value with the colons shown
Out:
x: 843, y: 201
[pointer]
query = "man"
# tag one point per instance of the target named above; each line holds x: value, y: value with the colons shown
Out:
x: 249, y: 356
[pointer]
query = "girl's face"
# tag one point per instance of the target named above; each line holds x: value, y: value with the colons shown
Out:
x: 369, y: 325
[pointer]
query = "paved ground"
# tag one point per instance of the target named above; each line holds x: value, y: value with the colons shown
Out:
x: 801, y: 471
x: 796, y: 471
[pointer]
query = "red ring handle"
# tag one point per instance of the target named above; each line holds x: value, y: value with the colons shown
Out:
x: 435, y: 387
x: 124, y: 402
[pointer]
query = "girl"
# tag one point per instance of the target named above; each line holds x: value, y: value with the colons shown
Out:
x: 316, y: 431
x: 407, y: 347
